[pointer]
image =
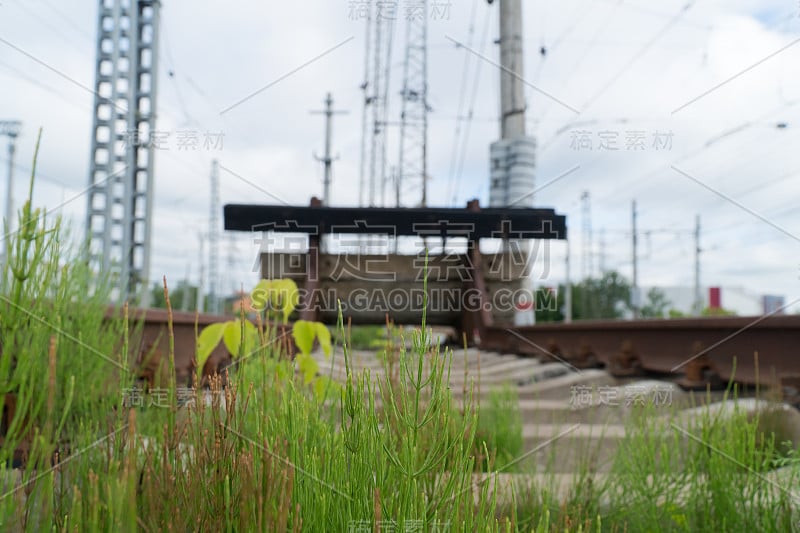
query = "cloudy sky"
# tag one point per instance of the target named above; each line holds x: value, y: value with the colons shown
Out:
x: 711, y: 80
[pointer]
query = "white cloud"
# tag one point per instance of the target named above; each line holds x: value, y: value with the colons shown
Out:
x: 600, y: 53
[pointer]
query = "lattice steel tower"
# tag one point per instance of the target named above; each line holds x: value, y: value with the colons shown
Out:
x: 119, y: 213
x: 377, y: 64
x: 413, y: 170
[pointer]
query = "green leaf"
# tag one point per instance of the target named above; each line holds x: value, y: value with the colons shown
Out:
x: 251, y: 340
x: 325, y: 388
x: 304, y: 333
x: 283, y: 371
x: 261, y: 294
x: 324, y: 336
x: 308, y: 366
x: 236, y: 339
x: 206, y: 342
x: 232, y: 337
x: 286, y: 296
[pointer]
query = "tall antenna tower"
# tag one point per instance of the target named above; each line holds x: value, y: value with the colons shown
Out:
x: 587, y: 266
x: 213, y: 243
x: 414, y: 116
x: 513, y: 157
x: 120, y: 198
x: 377, y: 62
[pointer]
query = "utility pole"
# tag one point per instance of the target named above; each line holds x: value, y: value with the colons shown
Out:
x: 327, y: 160
x: 11, y: 129
x: 586, y: 207
x: 567, y: 291
x: 186, y: 289
x: 213, y: 242
x: 201, y: 281
x: 635, y: 291
x: 602, y: 252
x: 698, y: 300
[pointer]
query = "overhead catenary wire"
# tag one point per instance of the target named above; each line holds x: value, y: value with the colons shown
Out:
x: 547, y: 104
x: 635, y: 57
x: 70, y: 22
x: 547, y: 50
x: 33, y: 81
x: 457, y: 172
x: 643, y: 49
x: 54, y: 29
x: 713, y: 140
x: 462, y: 97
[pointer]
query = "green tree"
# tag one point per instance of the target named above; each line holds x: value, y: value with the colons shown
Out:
x: 183, y: 296
x: 656, y: 305
x: 605, y: 298
x: 708, y: 311
x: 550, y: 304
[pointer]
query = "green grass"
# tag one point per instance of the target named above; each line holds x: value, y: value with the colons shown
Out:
x: 500, y: 426
x: 363, y: 337
x: 279, y: 456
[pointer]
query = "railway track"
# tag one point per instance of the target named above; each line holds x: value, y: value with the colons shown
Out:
x: 694, y: 353
x: 563, y: 399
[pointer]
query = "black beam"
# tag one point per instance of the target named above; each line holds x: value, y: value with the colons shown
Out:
x: 508, y: 223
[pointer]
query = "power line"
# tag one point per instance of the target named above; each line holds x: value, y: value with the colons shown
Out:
x: 54, y: 29
x: 461, y: 98
x: 711, y: 141
x: 601, y: 28
x: 657, y: 13
x: 545, y: 50
x: 455, y: 177
x: 70, y: 22
x: 39, y: 175
x: 639, y: 53
x: 34, y: 81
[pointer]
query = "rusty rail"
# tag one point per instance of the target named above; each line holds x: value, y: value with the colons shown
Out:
x: 695, y: 352
x: 149, y: 345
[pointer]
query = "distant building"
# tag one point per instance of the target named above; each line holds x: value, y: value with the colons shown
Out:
x: 772, y: 304
x: 736, y: 299
x: 239, y: 300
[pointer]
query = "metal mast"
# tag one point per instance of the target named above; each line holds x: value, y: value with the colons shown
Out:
x: 380, y: 32
x: 119, y: 213
x: 414, y: 116
x: 635, y: 256
x: 327, y: 159
x: 213, y: 243
x: 587, y: 267
x: 697, y: 306
x: 512, y: 89
x: 513, y: 158
x: 11, y: 129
